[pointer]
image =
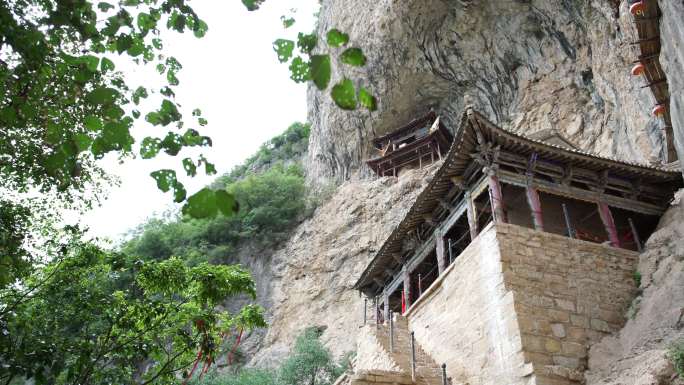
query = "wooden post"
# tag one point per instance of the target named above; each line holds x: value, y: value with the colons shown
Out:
x: 386, y: 308
x: 609, y: 223
x: 535, y: 206
x: 407, y: 288
x: 470, y: 211
x: 635, y: 235
x: 496, y: 198
x: 365, y: 305
x: 568, y: 221
x: 439, y: 249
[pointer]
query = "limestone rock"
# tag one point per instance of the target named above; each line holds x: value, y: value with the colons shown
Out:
x: 530, y: 65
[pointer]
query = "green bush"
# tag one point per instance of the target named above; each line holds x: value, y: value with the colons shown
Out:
x: 243, y: 377
x: 310, y: 363
x: 676, y: 356
x: 271, y: 192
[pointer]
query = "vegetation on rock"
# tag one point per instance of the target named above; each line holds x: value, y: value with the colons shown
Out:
x: 309, y: 363
x: 272, y: 197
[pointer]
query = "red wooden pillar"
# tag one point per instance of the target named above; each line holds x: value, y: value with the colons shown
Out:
x: 407, y: 288
x: 609, y: 223
x: 470, y: 211
x: 496, y: 198
x: 439, y: 249
x: 535, y: 206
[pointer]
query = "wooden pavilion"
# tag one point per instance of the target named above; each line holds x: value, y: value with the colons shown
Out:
x: 419, y: 143
x: 491, y: 174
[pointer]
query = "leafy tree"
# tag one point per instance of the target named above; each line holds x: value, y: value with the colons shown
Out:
x: 103, y: 317
x: 63, y: 105
x: 310, y: 362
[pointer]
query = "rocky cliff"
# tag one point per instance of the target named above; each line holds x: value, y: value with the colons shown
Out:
x: 531, y: 65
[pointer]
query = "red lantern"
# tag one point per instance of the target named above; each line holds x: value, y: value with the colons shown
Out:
x: 659, y: 110
x: 638, y: 69
x: 638, y: 8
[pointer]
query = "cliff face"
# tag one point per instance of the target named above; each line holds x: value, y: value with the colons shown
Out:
x: 531, y: 65
x: 311, y: 277
x: 672, y: 59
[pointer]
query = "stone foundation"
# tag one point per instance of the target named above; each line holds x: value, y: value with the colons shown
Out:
x: 520, y: 306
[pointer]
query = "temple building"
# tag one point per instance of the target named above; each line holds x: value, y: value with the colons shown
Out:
x: 516, y: 257
x: 418, y: 144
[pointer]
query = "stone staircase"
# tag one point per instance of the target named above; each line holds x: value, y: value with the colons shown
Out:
x: 428, y: 372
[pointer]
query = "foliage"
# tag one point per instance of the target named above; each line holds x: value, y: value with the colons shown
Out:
x: 63, y: 105
x: 305, y: 65
x: 286, y: 148
x: 15, y: 261
x: 676, y: 355
x: 243, y: 377
x: 99, y: 315
x: 309, y: 363
x: 271, y: 202
x: 637, y: 278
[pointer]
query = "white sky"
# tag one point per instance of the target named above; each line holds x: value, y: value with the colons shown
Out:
x: 234, y: 77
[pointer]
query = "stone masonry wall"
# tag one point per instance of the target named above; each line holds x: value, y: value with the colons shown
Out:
x: 568, y: 295
x: 520, y: 306
x: 370, y: 355
x: 467, y: 319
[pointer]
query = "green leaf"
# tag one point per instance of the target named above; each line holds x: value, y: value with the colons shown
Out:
x: 252, y: 5
x: 190, y: 167
x: 299, y: 70
x: 202, y: 204
x: 102, y: 95
x: 200, y: 29
x: 90, y: 61
x: 172, y: 144
x: 106, y: 65
x: 344, y: 95
x: 353, y: 56
x: 104, y: 7
x: 123, y: 43
x: 93, y: 123
x: 207, y: 203
x: 367, y: 99
x: 307, y: 42
x: 287, y: 21
x: 320, y: 70
x: 336, y: 38
x: 284, y: 49
x: 164, y: 178
x: 82, y: 141
x: 226, y: 203
x: 145, y: 22
x: 149, y: 148
x: 137, y: 47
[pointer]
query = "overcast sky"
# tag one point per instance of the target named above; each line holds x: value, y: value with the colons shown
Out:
x: 233, y: 75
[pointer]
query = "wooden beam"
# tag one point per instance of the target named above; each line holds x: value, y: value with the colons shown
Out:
x: 439, y: 249
x: 496, y: 198
x: 609, y: 223
x: 535, y: 207
x: 458, y: 181
x: 407, y: 288
x: 470, y: 209
x: 581, y: 194
x: 397, y: 258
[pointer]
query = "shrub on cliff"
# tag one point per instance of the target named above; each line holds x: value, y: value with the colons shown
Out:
x: 676, y: 356
x: 309, y: 363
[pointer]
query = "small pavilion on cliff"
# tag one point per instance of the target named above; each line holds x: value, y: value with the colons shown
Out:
x: 417, y: 144
x: 492, y: 175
